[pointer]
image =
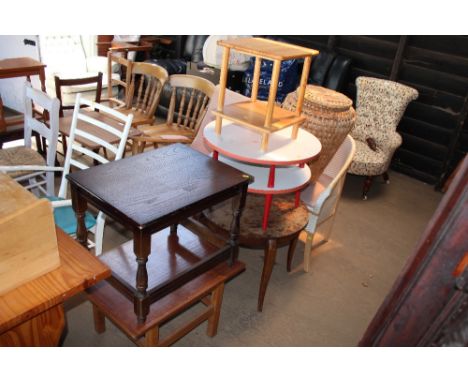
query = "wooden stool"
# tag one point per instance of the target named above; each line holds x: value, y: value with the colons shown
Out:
x: 207, y: 288
x: 285, y: 224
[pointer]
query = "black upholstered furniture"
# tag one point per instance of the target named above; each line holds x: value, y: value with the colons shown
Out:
x: 192, y: 52
x: 329, y: 70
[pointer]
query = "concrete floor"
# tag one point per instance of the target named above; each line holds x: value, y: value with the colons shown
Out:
x: 329, y: 306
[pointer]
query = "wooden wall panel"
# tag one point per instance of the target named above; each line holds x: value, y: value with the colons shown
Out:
x: 434, y: 128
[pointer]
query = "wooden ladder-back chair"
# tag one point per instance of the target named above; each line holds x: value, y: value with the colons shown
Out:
x: 187, y: 108
x: 125, y: 69
x: 118, y: 54
x: 80, y: 157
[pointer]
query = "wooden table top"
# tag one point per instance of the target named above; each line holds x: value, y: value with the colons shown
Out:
x: 79, y: 270
x: 143, y: 191
x: 268, y: 49
x: 65, y: 125
x: 12, y: 64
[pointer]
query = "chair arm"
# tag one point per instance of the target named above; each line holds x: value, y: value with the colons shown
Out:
x: 392, y: 142
x: 96, y: 64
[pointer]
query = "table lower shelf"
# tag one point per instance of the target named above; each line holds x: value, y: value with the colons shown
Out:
x: 175, y: 259
x: 287, y: 179
x: 120, y: 310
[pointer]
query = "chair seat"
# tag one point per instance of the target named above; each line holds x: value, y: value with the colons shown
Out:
x: 19, y: 156
x: 65, y: 218
x: 171, y: 133
x: 368, y: 162
x: 139, y: 117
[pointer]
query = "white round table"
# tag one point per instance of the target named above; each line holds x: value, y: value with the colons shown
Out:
x: 280, y: 169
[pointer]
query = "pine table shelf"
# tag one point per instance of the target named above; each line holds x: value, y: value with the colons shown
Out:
x: 263, y: 117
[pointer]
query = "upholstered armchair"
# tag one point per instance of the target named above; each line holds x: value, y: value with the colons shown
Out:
x: 380, y: 104
x: 65, y: 57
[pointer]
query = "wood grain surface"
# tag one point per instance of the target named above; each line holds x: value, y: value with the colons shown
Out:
x: 79, y: 270
x: 157, y: 186
x: 120, y: 310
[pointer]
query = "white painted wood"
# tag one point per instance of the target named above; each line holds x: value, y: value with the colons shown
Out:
x: 321, y: 198
x: 243, y: 144
x: 98, y: 230
x: 287, y: 178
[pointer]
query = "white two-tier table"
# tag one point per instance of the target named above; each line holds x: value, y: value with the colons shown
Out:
x: 281, y: 169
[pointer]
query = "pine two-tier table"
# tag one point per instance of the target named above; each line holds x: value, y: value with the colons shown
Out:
x: 148, y: 193
x: 279, y: 170
x: 264, y: 118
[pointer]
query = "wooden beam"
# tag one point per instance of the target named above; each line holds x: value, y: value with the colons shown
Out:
x: 454, y: 140
x: 398, y: 58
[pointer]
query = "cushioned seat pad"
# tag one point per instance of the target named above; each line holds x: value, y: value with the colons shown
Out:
x: 65, y: 217
x: 285, y: 219
x: 18, y: 156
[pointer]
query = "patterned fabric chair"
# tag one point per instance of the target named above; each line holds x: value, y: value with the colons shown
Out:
x: 380, y: 105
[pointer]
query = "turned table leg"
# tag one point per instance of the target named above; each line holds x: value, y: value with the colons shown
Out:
x: 142, y: 249
x: 80, y: 205
x: 235, y: 224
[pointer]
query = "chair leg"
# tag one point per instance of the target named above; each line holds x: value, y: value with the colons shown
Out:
x: 367, y: 186
x: 385, y: 177
x: 291, y: 250
x: 99, y: 234
x: 64, y: 145
x: 268, y: 262
x: 330, y: 223
x: 308, y: 250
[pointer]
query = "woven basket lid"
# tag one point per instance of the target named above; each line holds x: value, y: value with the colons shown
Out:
x: 320, y: 97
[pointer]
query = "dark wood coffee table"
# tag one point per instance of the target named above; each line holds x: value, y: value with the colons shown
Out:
x: 152, y: 191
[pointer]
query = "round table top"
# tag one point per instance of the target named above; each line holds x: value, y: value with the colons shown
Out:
x: 243, y: 144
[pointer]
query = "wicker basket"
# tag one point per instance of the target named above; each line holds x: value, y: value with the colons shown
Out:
x: 330, y: 117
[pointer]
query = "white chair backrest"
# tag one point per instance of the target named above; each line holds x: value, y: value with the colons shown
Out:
x: 336, y: 170
x: 82, y: 160
x: 341, y: 159
x: 32, y: 123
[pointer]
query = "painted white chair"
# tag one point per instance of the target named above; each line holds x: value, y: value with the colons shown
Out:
x: 63, y: 212
x: 81, y: 157
x: 20, y: 162
x: 321, y: 197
